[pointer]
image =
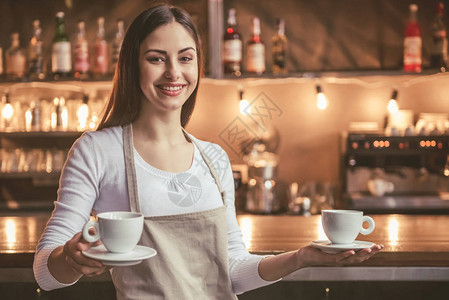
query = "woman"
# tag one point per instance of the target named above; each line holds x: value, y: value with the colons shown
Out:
x: 141, y: 159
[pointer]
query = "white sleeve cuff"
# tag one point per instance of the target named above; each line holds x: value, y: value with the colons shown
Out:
x: 246, y: 274
x: 43, y: 276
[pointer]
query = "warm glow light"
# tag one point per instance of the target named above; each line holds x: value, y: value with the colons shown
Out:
x: 10, y: 233
x: 321, y: 101
x: 393, y: 231
x: 393, y: 106
x: 54, y: 116
x: 82, y: 114
x: 7, y: 111
x: 246, y: 226
x: 269, y: 184
x: 94, y: 121
x: 65, y: 118
x: 28, y: 118
x: 244, y: 107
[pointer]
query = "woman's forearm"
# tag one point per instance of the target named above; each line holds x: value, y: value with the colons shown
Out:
x: 272, y: 268
x: 60, y: 269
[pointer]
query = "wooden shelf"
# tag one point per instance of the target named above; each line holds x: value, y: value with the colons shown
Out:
x: 41, y: 134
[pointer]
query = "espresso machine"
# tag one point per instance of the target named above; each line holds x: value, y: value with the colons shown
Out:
x: 395, y: 174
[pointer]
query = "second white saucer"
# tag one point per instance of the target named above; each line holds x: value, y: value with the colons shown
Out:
x: 328, y: 247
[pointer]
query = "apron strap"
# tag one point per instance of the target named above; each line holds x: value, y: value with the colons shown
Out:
x: 130, y: 169
x: 211, y: 167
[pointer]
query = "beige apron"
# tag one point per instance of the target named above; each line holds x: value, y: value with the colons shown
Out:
x: 192, y: 249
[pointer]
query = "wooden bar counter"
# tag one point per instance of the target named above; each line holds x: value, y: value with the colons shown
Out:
x: 410, y: 240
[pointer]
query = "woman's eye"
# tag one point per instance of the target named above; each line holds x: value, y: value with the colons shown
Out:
x: 186, y: 58
x: 156, y: 59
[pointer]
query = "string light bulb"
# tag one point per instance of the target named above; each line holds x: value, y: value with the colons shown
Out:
x: 393, y: 103
x: 243, y: 103
x: 321, y: 99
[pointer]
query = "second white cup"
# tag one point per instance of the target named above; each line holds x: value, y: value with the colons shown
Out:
x: 343, y: 226
x: 119, y: 231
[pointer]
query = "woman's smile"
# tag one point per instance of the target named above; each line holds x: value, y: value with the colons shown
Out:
x: 171, y: 89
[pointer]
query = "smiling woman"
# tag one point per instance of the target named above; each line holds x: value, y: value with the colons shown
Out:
x: 142, y: 160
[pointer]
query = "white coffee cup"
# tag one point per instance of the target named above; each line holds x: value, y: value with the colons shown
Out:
x: 379, y: 187
x: 119, y: 231
x: 343, y: 226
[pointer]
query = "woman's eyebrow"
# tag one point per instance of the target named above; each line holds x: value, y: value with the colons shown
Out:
x: 165, y: 52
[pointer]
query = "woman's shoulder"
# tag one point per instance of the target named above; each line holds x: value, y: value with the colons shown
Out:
x: 105, y: 135
x: 106, y: 138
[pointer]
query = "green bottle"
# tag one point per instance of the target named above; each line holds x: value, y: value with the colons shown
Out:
x: 61, y: 55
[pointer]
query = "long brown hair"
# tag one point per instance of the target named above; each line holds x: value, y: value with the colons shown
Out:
x: 124, y: 103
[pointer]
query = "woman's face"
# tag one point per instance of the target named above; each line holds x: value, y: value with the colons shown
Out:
x: 168, y: 67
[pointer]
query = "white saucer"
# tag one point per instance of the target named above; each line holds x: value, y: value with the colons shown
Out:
x: 134, y: 257
x: 328, y: 247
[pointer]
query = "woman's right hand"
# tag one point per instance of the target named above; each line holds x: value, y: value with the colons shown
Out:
x: 76, y: 259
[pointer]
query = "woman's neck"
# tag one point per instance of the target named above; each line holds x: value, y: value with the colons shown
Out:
x: 158, y: 130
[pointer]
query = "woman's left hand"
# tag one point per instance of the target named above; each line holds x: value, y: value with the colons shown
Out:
x: 310, y: 256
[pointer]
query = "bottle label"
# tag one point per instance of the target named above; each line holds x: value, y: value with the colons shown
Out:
x: 440, y: 46
x: 232, y: 51
x: 101, y: 58
x: 61, y: 58
x: 82, y: 57
x: 256, y: 58
x: 412, y: 51
x: 15, y: 64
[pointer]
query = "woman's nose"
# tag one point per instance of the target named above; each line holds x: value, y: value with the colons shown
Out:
x: 173, y: 71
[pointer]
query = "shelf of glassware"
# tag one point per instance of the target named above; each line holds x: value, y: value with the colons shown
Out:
x: 35, y: 155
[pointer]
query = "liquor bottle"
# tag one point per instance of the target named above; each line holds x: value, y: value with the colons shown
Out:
x: 232, y: 47
x: 279, y: 48
x: 438, y: 57
x: 61, y: 56
x: 255, y: 54
x: 36, y: 53
x: 15, y: 59
x: 81, y: 67
x: 412, y: 43
x: 101, y: 51
x: 117, y: 44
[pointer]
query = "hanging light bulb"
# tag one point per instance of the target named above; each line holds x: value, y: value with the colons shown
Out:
x: 393, y: 104
x: 321, y: 100
x: 244, y: 104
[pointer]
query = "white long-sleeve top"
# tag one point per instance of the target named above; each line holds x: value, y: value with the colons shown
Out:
x: 94, y: 180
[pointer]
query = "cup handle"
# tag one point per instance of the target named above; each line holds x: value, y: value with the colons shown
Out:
x: 371, y: 225
x: 87, y: 236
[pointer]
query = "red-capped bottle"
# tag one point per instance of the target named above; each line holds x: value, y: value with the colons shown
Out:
x: 232, y: 46
x: 255, y: 54
x: 413, y: 43
x: 82, y: 66
x: 101, y: 51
